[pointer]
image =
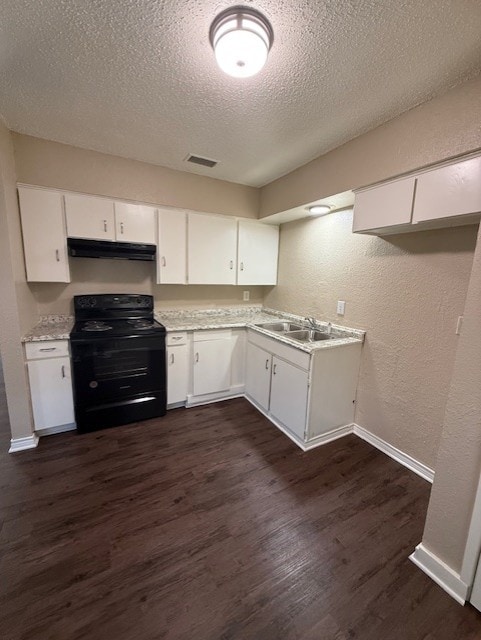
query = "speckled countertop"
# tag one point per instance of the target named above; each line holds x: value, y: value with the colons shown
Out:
x: 58, y: 327
x: 50, y: 328
x: 250, y: 317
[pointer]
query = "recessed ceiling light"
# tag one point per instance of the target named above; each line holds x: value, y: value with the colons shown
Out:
x: 241, y: 38
x: 319, y: 209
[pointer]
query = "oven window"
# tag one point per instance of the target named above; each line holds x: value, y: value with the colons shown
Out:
x: 112, y: 365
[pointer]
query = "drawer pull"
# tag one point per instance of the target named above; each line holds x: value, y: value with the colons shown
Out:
x: 49, y: 349
x: 176, y: 338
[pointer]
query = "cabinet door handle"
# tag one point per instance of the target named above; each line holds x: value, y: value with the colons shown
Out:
x: 267, y: 363
x: 171, y: 358
x: 49, y: 349
x: 274, y: 370
x: 163, y: 261
x: 57, y: 255
x: 63, y: 371
x: 197, y: 357
x: 122, y: 228
x: 242, y: 266
x: 231, y: 264
x: 105, y: 226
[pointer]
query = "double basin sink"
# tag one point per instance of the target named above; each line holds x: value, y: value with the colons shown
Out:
x: 296, y: 331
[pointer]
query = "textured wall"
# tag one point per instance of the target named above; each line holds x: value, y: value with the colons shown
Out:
x: 406, y: 291
x: 50, y: 164
x: 442, y: 128
x: 459, y: 459
x: 124, y: 276
x: 18, y: 308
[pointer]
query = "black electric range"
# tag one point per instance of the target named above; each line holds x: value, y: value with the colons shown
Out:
x: 118, y: 361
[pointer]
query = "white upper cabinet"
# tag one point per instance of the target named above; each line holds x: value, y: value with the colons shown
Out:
x: 453, y: 190
x: 258, y: 251
x: 172, y: 247
x: 135, y: 223
x: 44, y: 241
x: 89, y: 217
x: 387, y: 205
x: 212, y: 249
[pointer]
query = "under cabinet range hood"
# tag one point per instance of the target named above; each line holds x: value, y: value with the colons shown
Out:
x: 82, y: 248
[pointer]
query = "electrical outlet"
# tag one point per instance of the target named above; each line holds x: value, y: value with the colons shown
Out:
x: 246, y: 296
x: 341, y: 307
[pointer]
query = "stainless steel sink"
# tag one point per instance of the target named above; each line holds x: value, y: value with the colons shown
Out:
x: 308, y: 335
x: 280, y: 327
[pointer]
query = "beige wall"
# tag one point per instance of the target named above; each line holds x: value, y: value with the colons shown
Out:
x: 51, y: 164
x: 459, y: 459
x: 124, y: 276
x: 18, y: 307
x: 406, y: 291
x: 446, y: 126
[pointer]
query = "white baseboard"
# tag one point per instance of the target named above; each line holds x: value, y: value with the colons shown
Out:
x: 398, y: 455
x: 51, y: 431
x: 21, y: 444
x: 209, y: 398
x: 441, y: 573
x: 335, y: 434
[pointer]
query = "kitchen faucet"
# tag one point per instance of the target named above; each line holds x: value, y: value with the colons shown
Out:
x: 312, y: 322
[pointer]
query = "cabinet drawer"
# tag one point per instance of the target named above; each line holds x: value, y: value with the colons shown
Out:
x: 215, y: 334
x: 46, y: 349
x: 176, y: 338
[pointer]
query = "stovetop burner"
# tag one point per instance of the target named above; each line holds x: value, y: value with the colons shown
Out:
x: 96, y: 325
x: 141, y: 323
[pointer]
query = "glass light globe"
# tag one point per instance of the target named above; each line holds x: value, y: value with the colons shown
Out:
x: 241, y: 38
x: 241, y: 53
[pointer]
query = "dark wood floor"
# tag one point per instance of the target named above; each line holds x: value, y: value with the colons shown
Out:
x: 210, y: 524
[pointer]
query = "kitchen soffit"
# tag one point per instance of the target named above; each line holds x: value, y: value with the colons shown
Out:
x: 138, y: 78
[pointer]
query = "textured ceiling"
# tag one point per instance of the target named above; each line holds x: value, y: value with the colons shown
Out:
x: 137, y: 78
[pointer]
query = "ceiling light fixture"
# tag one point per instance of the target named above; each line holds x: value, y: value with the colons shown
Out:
x: 241, y: 38
x: 319, y: 209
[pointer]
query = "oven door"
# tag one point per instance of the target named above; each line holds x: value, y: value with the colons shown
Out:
x: 111, y: 369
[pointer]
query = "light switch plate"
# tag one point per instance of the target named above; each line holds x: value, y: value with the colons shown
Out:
x: 341, y: 307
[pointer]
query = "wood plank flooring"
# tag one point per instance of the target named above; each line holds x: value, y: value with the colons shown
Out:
x: 209, y: 524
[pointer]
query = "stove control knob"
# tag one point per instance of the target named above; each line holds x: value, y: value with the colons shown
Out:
x: 94, y: 384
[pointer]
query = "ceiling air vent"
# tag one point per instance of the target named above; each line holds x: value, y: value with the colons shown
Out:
x: 205, y: 162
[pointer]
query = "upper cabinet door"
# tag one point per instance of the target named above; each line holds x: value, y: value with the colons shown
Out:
x: 135, y: 223
x: 212, y: 249
x: 43, y: 230
x: 172, y: 247
x: 89, y: 217
x: 454, y: 190
x: 258, y: 253
x: 388, y: 205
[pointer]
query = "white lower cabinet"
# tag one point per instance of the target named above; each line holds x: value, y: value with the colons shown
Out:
x: 177, y: 368
x: 50, y: 380
x: 288, y: 401
x: 212, y: 362
x: 310, y: 396
x: 258, y: 375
